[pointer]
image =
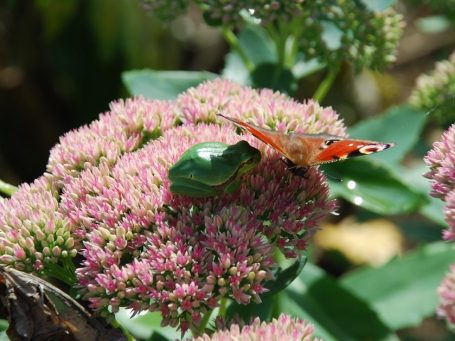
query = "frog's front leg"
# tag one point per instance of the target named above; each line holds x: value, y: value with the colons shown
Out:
x: 192, y: 188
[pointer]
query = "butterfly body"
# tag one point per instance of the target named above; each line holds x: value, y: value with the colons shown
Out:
x: 306, y: 150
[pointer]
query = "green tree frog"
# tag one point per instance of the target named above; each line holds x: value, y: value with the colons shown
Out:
x: 212, y: 168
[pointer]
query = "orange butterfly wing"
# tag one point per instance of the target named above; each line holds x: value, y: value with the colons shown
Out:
x: 306, y: 150
x: 346, y: 148
x: 270, y: 137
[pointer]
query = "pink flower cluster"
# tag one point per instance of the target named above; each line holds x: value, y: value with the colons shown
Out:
x: 446, y: 292
x: 107, y: 197
x: 441, y: 160
x: 32, y: 231
x: 283, y: 328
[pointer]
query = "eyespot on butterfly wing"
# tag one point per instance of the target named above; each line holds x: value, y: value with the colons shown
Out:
x: 306, y: 150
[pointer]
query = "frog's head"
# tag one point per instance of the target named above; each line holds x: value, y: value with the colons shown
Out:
x: 210, y: 168
x: 243, y: 155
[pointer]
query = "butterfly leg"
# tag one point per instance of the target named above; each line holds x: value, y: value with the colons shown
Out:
x: 294, y: 169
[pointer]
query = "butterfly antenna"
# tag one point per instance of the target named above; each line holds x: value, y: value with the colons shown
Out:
x: 333, y: 178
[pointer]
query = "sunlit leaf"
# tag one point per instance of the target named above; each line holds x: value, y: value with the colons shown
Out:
x: 146, y: 326
x: 258, y: 49
x: 433, y: 24
x: 274, y: 76
x: 415, y: 179
x: 378, y: 5
x: 336, y: 313
x: 403, y: 292
x: 372, y: 186
x: 3, y: 325
x: 257, y: 45
x: 401, y: 125
x: 163, y: 84
x: 303, y: 68
x: 285, y: 277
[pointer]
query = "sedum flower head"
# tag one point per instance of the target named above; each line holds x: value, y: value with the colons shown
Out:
x: 232, y: 13
x: 449, y: 212
x: 282, y: 328
x: 349, y: 31
x: 264, y: 107
x: 127, y: 126
x: 33, y: 234
x: 148, y: 249
x: 446, y: 292
x: 145, y: 248
x: 435, y: 91
x: 329, y: 31
x: 441, y: 160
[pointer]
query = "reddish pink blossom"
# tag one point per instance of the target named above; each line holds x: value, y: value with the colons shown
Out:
x: 145, y: 248
x: 441, y: 160
x: 446, y: 293
x: 283, y: 328
x: 127, y: 126
x: 33, y: 234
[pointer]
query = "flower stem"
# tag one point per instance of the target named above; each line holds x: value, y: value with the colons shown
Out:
x: 326, y: 84
x: 223, y: 304
x: 7, y: 189
x: 204, y: 321
x: 61, y: 274
x: 231, y: 38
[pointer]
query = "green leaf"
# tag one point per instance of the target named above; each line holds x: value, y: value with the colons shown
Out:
x: 433, y: 24
x: 378, y: 5
x: 163, y: 84
x: 403, y: 292
x: 331, y: 35
x: 373, y: 187
x: 401, y: 125
x: 258, y: 48
x: 303, y: 68
x: 257, y: 44
x: 415, y: 179
x: 146, y: 326
x: 235, y: 69
x: 264, y: 310
x: 336, y: 313
x: 285, y: 277
x: 275, y: 77
x: 3, y: 325
x: 7, y: 189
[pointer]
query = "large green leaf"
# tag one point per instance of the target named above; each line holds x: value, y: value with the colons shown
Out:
x: 414, y: 177
x: 163, y: 84
x: 275, y: 77
x: 235, y: 69
x: 264, y: 310
x: 3, y: 325
x: 401, y: 125
x: 146, y: 326
x: 257, y: 44
x: 257, y: 47
x: 285, y: 277
x: 403, y: 292
x: 372, y: 186
x: 378, y: 5
x: 336, y: 313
